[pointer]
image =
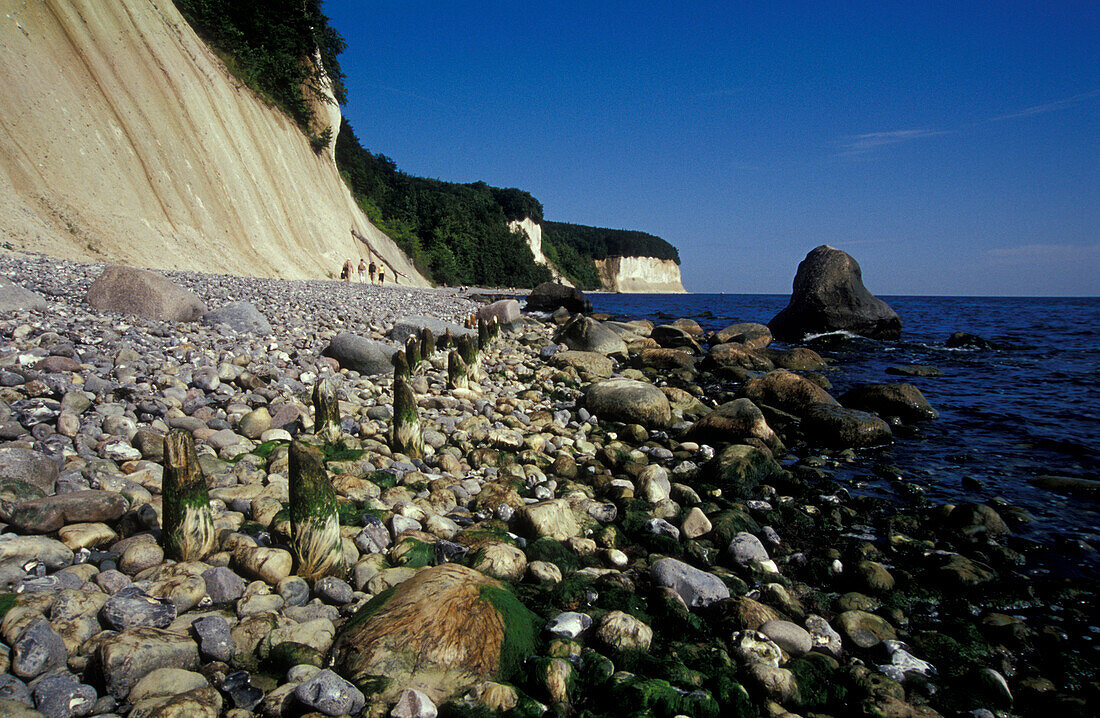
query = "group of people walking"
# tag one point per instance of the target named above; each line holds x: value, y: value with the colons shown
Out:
x: 364, y: 270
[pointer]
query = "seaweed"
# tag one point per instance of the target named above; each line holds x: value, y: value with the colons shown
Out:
x: 521, y: 629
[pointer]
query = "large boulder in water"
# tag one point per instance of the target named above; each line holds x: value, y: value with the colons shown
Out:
x: 443, y: 631
x: 829, y: 296
x: 897, y: 399
x: 750, y: 334
x: 548, y: 296
x: 842, y: 428
x: 786, y: 390
x: 128, y: 290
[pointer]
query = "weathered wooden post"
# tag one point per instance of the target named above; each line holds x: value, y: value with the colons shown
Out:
x: 188, y: 525
x: 314, y: 525
x: 456, y: 371
x: 326, y: 411
x: 408, y: 437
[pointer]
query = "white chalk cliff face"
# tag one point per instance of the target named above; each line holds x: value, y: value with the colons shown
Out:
x: 639, y: 275
x: 533, y: 231
x: 124, y: 139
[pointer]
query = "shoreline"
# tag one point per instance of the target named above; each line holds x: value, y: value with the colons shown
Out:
x: 721, y: 579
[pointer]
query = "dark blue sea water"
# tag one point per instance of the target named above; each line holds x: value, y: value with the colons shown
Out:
x: 1006, y: 415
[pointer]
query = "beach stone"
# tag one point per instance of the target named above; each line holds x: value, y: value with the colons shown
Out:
x: 366, y: 356
x: 223, y: 585
x: 547, y: 519
x: 129, y: 290
x: 49, y: 514
x: 29, y: 466
x: 13, y: 689
x: 671, y: 336
x: 78, y: 536
x: 503, y: 561
x: 412, y: 703
x: 900, y: 400
x: 61, y: 695
x: 133, y: 607
x: 628, y: 401
x: 334, y: 590
x: 740, y: 469
x: 242, y: 317
x: 623, y: 632
x: 18, y: 709
x: 405, y: 327
x: 974, y: 520
x: 958, y: 571
x: 778, y: 684
x: 749, y: 334
x: 38, y: 650
x: 840, y: 427
x: 661, y: 527
x: 585, y: 334
x: 733, y: 423
x: 745, y: 548
x: 253, y: 424
x: 544, y: 572
x: 743, y: 613
x: 548, y: 296
x: 14, y: 298
x: 594, y: 363
x: 829, y: 295
x: 174, y: 693
x: 874, y: 576
x: 266, y: 564
x: 695, y: 524
x: 569, y: 624
x: 139, y: 556
x: 437, y: 634
x: 786, y: 390
x: 865, y: 629
x: 797, y: 359
x: 917, y: 370
x: 792, y: 638
x: 330, y: 694
x: 665, y: 359
x: 653, y: 484
x: 215, y: 640
x: 21, y: 549
x: 726, y: 356
x: 823, y: 635
x: 130, y: 655
x: 755, y: 647
x: 505, y: 311
x: 697, y: 588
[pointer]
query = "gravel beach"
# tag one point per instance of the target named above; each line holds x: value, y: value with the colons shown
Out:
x: 603, y: 518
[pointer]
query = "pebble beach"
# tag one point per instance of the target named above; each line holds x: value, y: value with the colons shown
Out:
x: 671, y: 550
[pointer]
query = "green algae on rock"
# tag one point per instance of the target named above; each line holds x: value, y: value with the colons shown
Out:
x: 442, y: 631
x: 188, y: 525
x: 314, y: 524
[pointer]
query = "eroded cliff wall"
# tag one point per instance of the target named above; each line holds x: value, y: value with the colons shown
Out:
x: 533, y: 232
x: 124, y: 139
x: 639, y: 275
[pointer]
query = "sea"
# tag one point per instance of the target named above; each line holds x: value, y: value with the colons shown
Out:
x: 1008, y: 415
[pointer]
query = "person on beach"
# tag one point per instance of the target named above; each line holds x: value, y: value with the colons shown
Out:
x: 362, y: 270
x: 382, y: 275
x: 371, y: 270
x: 345, y: 271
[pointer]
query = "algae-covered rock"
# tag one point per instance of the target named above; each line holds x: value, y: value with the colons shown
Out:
x: 629, y: 401
x: 734, y: 422
x: 739, y: 469
x: 898, y: 399
x: 441, y: 632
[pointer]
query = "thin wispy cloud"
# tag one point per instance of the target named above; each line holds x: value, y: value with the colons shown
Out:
x: 862, y: 144
x: 1050, y: 106
x: 1032, y: 253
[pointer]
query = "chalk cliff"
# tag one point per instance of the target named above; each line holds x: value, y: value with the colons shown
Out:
x: 533, y: 231
x: 123, y: 138
x: 639, y: 275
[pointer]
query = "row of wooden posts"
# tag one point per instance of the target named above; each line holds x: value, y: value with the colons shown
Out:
x: 315, y: 541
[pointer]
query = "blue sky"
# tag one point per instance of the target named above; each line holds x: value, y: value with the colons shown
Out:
x: 951, y: 148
